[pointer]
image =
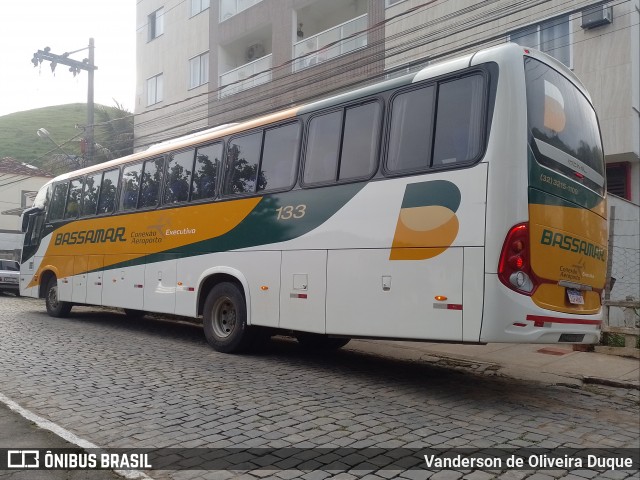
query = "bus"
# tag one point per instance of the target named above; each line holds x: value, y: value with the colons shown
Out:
x: 464, y: 202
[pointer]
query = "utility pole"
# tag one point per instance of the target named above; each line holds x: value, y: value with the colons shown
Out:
x: 90, y: 106
x: 74, y: 67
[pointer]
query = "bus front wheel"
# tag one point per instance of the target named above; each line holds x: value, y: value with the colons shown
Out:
x: 55, y: 307
x: 225, y: 319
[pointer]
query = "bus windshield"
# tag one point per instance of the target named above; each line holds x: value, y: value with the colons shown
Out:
x: 563, y: 126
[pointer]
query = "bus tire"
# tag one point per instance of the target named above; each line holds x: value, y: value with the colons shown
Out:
x: 317, y: 341
x: 55, y: 307
x: 225, y: 319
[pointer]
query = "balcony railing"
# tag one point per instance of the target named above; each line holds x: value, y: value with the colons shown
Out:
x: 242, y: 78
x: 316, y: 49
x: 229, y: 8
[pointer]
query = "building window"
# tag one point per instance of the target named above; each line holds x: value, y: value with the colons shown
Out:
x: 154, y: 90
x: 551, y: 37
x: 199, y: 70
x: 619, y: 179
x: 156, y: 24
x: 198, y: 6
x: 229, y: 8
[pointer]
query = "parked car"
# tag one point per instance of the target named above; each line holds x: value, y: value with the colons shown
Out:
x: 10, y: 277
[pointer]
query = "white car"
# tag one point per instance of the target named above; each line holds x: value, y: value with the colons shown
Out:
x: 10, y: 277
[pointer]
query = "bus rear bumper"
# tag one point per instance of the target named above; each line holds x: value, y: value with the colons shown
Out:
x: 514, y: 318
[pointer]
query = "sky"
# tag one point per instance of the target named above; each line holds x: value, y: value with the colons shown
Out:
x: 66, y: 26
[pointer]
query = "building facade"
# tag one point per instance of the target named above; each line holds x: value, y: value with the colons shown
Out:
x: 202, y: 63
x: 19, y: 184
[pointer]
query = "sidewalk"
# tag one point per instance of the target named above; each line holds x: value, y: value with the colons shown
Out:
x: 556, y: 364
x: 20, y: 433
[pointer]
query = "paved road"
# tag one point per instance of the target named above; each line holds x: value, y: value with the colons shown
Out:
x: 127, y: 383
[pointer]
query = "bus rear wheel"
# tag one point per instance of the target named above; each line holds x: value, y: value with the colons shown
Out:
x: 55, y: 307
x: 225, y: 319
x: 317, y: 341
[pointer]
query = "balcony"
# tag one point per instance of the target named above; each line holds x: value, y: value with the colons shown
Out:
x: 331, y: 43
x: 242, y: 78
x: 229, y: 8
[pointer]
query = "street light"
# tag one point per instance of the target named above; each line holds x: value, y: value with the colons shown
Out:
x: 44, y: 133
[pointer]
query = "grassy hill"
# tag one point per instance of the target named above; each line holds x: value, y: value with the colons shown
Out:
x: 18, y: 138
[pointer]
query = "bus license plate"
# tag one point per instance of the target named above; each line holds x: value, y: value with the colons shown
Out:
x: 575, y: 296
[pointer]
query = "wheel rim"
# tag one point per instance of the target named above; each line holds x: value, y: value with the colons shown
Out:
x: 224, y: 317
x: 52, y: 296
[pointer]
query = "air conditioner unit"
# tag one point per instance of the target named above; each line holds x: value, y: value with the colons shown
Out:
x: 255, y: 51
x: 596, y: 16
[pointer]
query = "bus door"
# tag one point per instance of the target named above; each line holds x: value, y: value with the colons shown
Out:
x: 32, y: 227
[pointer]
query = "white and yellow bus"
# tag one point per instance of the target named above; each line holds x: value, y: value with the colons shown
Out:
x: 462, y: 203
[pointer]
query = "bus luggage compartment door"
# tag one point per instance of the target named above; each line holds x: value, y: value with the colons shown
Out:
x: 123, y: 283
x: 303, y: 290
x: 370, y: 295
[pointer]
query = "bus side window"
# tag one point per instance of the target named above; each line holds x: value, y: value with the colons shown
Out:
x: 459, y: 122
x: 360, y: 141
x: 56, y: 208
x: 279, y: 157
x: 410, y: 130
x: 73, y: 202
x: 178, y: 177
x: 151, y: 181
x: 205, y: 171
x: 130, y: 186
x: 90, y: 194
x: 323, y: 148
x: 243, y: 155
x: 108, y: 189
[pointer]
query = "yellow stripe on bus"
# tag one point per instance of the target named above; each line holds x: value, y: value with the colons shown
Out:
x: 142, y: 233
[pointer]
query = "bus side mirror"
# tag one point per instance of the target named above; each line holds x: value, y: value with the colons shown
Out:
x: 26, y: 215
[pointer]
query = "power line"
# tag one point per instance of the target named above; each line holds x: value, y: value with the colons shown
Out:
x: 282, y: 83
x: 289, y: 81
x: 191, y: 108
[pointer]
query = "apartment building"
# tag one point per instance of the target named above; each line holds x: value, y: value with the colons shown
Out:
x: 202, y: 63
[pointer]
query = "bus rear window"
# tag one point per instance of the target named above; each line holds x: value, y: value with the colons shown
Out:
x: 563, y: 126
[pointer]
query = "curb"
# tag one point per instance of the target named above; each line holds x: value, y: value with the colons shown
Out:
x: 611, y: 383
x: 483, y: 367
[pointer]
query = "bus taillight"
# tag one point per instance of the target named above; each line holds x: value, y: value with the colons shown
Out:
x: 514, y: 268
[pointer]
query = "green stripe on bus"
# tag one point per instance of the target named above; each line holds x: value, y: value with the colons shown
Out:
x: 436, y: 192
x: 277, y: 218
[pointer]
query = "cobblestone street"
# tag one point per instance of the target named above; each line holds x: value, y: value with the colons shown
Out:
x: 123, y: 383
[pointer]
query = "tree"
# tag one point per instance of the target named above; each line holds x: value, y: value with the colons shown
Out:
x: 114, y: 139
x: 115, y: 125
